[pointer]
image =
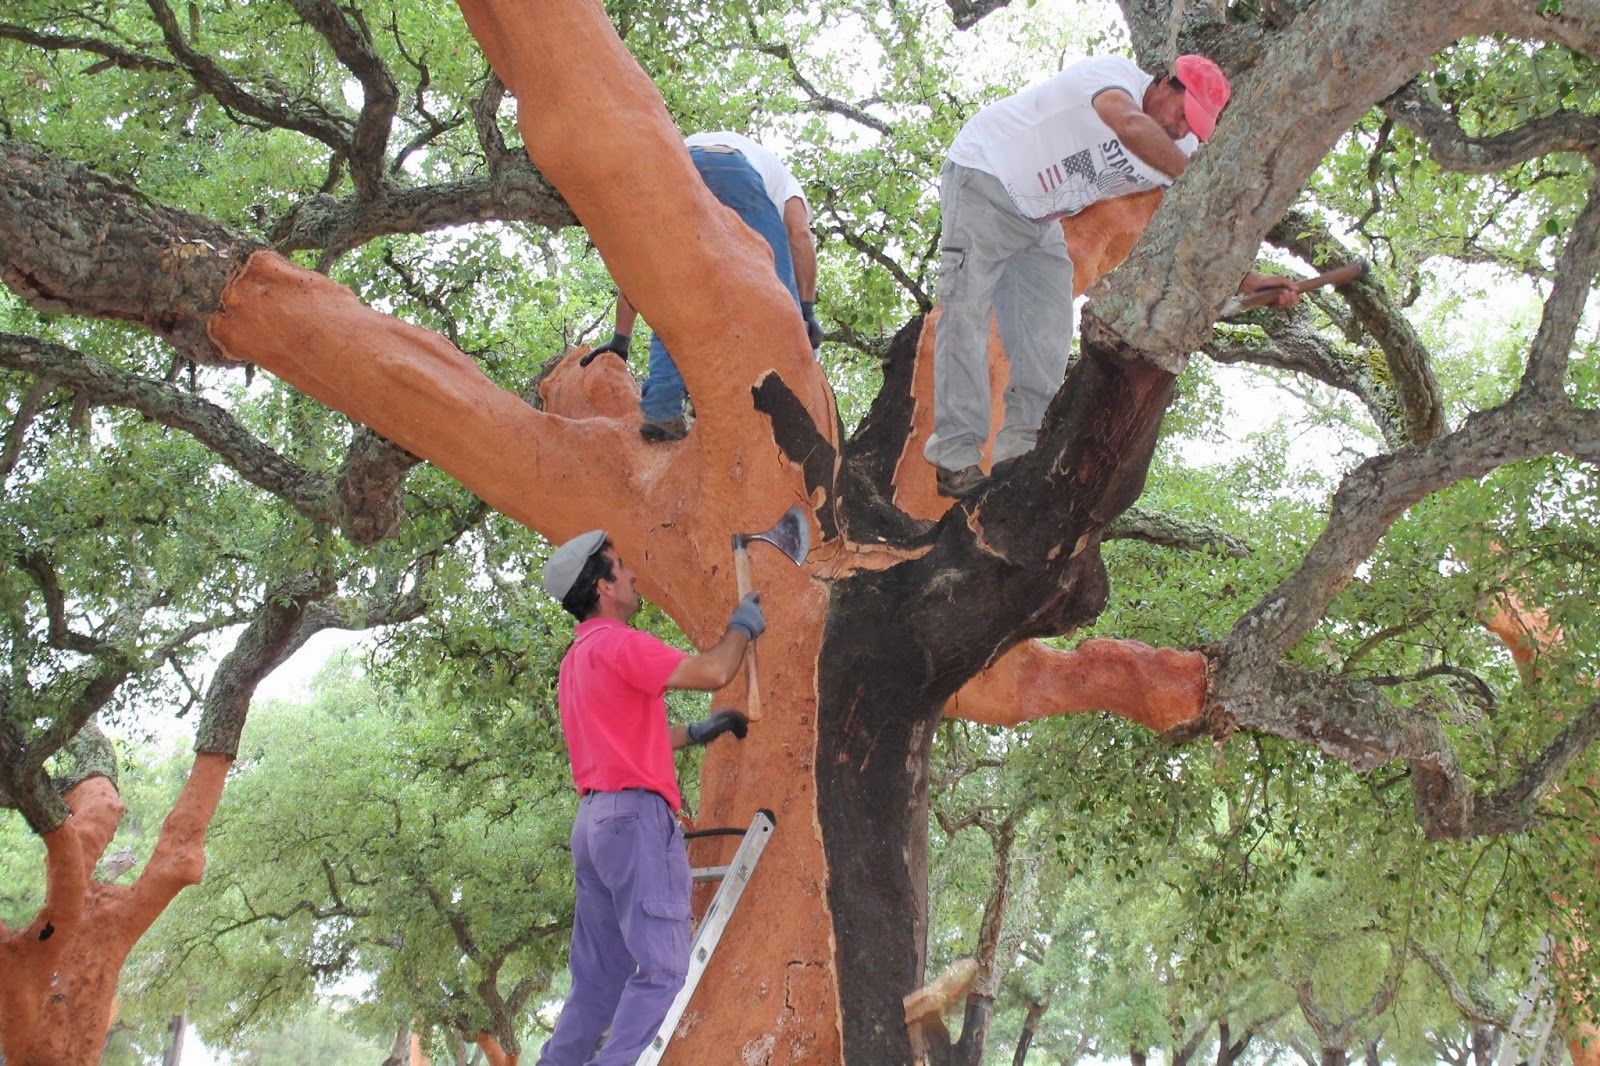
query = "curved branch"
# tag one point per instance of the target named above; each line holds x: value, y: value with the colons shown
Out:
x: 302, y: 116
x: 513, y: 192
x: 1563, y: 309
x: 1372, y: 497
x: 274, y: 635
x: 1290, y: 344
x: 1451, y: 148
x: 104, y: 385
x: 112, y: 54
x: 352, y: 43
x: 1410, y: 364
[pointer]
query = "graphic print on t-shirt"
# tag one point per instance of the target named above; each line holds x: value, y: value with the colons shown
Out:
x: 1100, y: 173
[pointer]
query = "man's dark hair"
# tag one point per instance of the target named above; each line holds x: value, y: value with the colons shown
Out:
x: 584, y: 595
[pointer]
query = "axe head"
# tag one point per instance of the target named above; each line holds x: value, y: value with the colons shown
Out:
x: 790, y: 534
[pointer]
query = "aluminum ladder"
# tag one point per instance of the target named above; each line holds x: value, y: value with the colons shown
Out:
x: 734, y: 877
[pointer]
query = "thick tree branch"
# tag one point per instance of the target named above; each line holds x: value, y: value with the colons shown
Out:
x: 1467, y: 1002
x: 1563, y: 309
x: 512, y: 192
x: 368, y: 490
x: 1160, y: 688
x: 274, y: 635
x: 1372, y: 497
x: 347, y: 33
x: 1170, y: 532
x: 1452, y: 149
x: 1291, y: 344
x: 1410, y: 365
x: 968, y: 13
x: 1194, y: 263
x: 104, y: 385
x: 77, y: 242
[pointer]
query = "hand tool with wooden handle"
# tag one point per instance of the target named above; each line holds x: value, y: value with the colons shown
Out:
x: 791, y: 535
x: 1336, y: 277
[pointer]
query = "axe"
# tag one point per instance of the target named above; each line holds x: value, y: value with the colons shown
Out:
x: 1336, y: 277
x: 791, y: 535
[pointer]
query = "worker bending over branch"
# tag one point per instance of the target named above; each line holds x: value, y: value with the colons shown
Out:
x: 630, y: 926
x: 1100, y: 129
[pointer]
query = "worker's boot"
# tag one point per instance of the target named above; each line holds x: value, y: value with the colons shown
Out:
x: 659, y: 432
x: 961, y: 483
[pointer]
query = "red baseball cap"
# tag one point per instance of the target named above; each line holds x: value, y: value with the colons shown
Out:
x: 1206, y: 92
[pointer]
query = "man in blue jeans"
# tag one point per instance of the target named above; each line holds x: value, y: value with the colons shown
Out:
x: 630, y: 926
x: 756, y: 185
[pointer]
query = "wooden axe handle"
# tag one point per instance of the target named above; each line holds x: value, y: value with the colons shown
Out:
x: 741, y: 576
x: 1335, y: 277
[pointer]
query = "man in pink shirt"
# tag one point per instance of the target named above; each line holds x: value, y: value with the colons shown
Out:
x: 630, y: 927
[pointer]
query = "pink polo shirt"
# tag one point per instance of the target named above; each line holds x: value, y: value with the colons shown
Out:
x: 610, y: 692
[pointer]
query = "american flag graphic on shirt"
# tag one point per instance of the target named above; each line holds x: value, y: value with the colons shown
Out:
x: 1073, y: 183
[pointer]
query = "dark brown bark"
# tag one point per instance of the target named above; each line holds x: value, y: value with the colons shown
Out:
x: 1030, y: 1026
x: 1415, y: 393
x: 1228, y: 1049
x: 877, y: 711
x: 177, y: 1026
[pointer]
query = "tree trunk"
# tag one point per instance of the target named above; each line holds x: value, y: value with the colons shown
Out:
x: 176, y: 1028
x: 1228, y: 1049
x: 58, y: 976
x: 1137, y: 1056
x: 493, y: 1053
x: 1030, y: 1026
x: 1335, y: 1056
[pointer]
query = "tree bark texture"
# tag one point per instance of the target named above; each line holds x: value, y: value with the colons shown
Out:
x: 58, y: 976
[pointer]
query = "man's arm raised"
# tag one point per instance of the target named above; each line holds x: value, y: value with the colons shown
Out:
x: 715, y: 667
x: 1139, y: 133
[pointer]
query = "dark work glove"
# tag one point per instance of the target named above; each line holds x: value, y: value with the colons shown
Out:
x: 808, y: 311
x: 747, y: 616
x: 708, y: 729
x: 618, y: 343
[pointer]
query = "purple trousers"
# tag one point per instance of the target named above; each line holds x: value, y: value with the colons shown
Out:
x: 630, y: 931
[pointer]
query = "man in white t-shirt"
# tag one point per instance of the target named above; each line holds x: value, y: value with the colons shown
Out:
x: 756, y: 185
x: 1101, y: 128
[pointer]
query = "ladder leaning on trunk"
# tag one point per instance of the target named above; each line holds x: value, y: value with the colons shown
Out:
x: 734, y: 877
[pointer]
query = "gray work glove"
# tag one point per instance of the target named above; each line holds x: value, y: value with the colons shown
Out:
x: 708, y: 729
x: 618, y: 343
x: 808, y: 311
x: 747, y: 616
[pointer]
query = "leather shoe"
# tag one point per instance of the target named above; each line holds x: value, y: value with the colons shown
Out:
x: 961, y: 483
x: 660, y: 431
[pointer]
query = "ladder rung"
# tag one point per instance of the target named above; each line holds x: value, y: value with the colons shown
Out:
x: 709, y: 873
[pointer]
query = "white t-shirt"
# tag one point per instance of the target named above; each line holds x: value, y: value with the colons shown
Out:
x: 780, y: 184
x: 1052, y: 151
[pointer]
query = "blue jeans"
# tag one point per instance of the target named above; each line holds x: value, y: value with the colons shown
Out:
x: 735, y: 182
x: 630, y: 928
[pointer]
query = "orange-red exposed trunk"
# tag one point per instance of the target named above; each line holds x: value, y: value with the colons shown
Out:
x: 58, y: 976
